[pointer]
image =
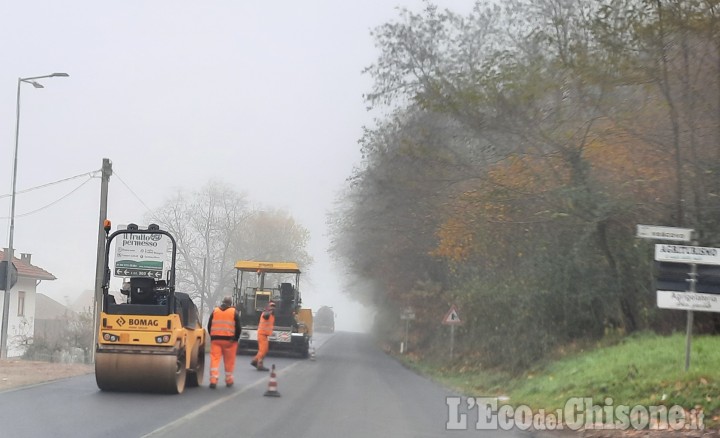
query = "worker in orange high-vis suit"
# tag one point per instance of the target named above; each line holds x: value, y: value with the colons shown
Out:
x: 265, y: 330
x: 224, y: 328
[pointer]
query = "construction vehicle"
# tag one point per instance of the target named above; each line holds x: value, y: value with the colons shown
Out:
x: 324, y: 320
x: 154, y: 341
x: 258, y: 283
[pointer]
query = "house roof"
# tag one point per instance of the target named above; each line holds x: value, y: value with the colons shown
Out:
x: 47, y: 308
x: 84, y: 302
x: 26, y: 270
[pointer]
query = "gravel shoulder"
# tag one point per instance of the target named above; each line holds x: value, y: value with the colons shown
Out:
x: 16, y: 373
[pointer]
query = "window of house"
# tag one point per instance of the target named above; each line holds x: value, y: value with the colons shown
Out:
x: 21, y: 303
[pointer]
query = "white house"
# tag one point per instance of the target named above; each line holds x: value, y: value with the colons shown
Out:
x: 21, y: 315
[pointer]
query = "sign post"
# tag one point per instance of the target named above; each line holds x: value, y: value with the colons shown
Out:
x: 692, y: 255
x: 407, y: 315
x: 690, y: 317
x: 689, y: 300
x: 452, y: 319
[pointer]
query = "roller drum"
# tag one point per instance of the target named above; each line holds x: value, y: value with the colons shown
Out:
x: 140, y: 372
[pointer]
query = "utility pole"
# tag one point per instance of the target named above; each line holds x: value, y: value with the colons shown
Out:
x: 100, y: 261
x: 202, y: 292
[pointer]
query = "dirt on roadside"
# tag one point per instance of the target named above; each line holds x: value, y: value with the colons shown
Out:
x: 15, y: 373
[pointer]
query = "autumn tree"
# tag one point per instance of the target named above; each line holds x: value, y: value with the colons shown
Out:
x: 508, y: 97
x: 668, y: 52
x: 549, y: 129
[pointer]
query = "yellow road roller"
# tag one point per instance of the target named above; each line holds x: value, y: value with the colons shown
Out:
x: 154, y: 340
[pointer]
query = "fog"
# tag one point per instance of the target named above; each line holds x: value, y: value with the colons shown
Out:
x: 263, y: 96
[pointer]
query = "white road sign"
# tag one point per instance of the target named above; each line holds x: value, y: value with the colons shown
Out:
x: 688, y: 301
x: 140, y: 255
x: 687, y: 254
x: 407, y: 313
x: 664, y: 233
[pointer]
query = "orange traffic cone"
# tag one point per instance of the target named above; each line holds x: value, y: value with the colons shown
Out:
x: 272, y: 385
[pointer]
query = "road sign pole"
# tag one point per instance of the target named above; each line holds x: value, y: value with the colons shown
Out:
x: 407, y: 314
x: 452, y: 319
x: 688, y: 339
x: 692, y: 255
x: 690, y: 317
x: 407, y: 324
x: 452, y: 340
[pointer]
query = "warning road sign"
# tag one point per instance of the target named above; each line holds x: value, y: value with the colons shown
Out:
x: 452, y: 317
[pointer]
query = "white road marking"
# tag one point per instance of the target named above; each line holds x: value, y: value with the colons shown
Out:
x: 197, y: 412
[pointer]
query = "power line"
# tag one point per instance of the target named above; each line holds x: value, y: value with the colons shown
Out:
x: 90, y: 174
x: 55, y: 201
x: 131, y: 191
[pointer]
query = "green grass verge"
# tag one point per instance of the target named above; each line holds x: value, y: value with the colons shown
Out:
x: 644, y: 369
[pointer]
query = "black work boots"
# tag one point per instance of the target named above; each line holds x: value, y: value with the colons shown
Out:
x: 258, y: 365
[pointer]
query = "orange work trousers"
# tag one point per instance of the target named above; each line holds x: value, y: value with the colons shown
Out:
x: 227, y: 350
x: 263, y: 345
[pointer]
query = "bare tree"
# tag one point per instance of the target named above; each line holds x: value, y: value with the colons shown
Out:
x: 204, y: 224
x: 216, y: 226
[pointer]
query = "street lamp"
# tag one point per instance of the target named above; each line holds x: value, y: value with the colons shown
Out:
x: 10, y: 251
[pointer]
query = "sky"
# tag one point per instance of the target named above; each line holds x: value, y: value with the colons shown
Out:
x: 265, y: 96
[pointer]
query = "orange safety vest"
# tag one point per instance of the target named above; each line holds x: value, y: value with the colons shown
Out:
x: 265, y: 326
x: 223, y: 323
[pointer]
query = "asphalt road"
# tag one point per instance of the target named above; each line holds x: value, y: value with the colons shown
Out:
x: 352, y: 389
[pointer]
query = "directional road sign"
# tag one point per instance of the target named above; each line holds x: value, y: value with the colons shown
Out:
x: 667, y: 299
x: 407, y: 313
x: 687, y: 254
x: 664, y: 233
